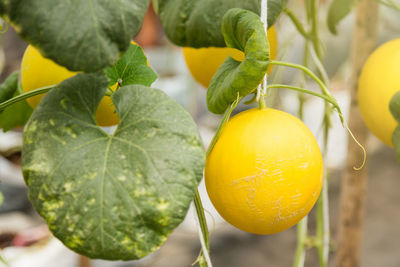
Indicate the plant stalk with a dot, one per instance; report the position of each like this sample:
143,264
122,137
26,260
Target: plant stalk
306,91
300,255
296,23
306,70
197,200
323,235
302,227
323,232
316,79
24,96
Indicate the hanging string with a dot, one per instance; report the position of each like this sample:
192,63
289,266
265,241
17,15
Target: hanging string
262,88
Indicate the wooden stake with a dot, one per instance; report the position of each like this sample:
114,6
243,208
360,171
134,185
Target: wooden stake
84,261
353,187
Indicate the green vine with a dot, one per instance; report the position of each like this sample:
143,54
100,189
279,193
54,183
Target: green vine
329,99
24,96
197,200
35,92
312,36
296,22
326,94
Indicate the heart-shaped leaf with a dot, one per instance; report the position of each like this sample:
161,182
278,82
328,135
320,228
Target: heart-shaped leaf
394,106
81,35
197,23
242,30
115,196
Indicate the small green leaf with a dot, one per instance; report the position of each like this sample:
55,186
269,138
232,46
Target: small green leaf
1,198
15,115
242,30
394,106
338,10
131,68
8,87
81,35
118,196
197,23
396,142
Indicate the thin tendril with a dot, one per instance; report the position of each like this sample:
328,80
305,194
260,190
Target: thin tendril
358,143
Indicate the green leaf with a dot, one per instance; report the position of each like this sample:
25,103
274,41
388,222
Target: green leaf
396,142
131,68
242,30
394,106
338,10
15,115
197,23
81,35
8,87
118,196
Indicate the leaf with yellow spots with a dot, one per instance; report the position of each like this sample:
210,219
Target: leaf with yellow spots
111,196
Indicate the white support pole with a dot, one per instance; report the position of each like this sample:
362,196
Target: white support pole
262,90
